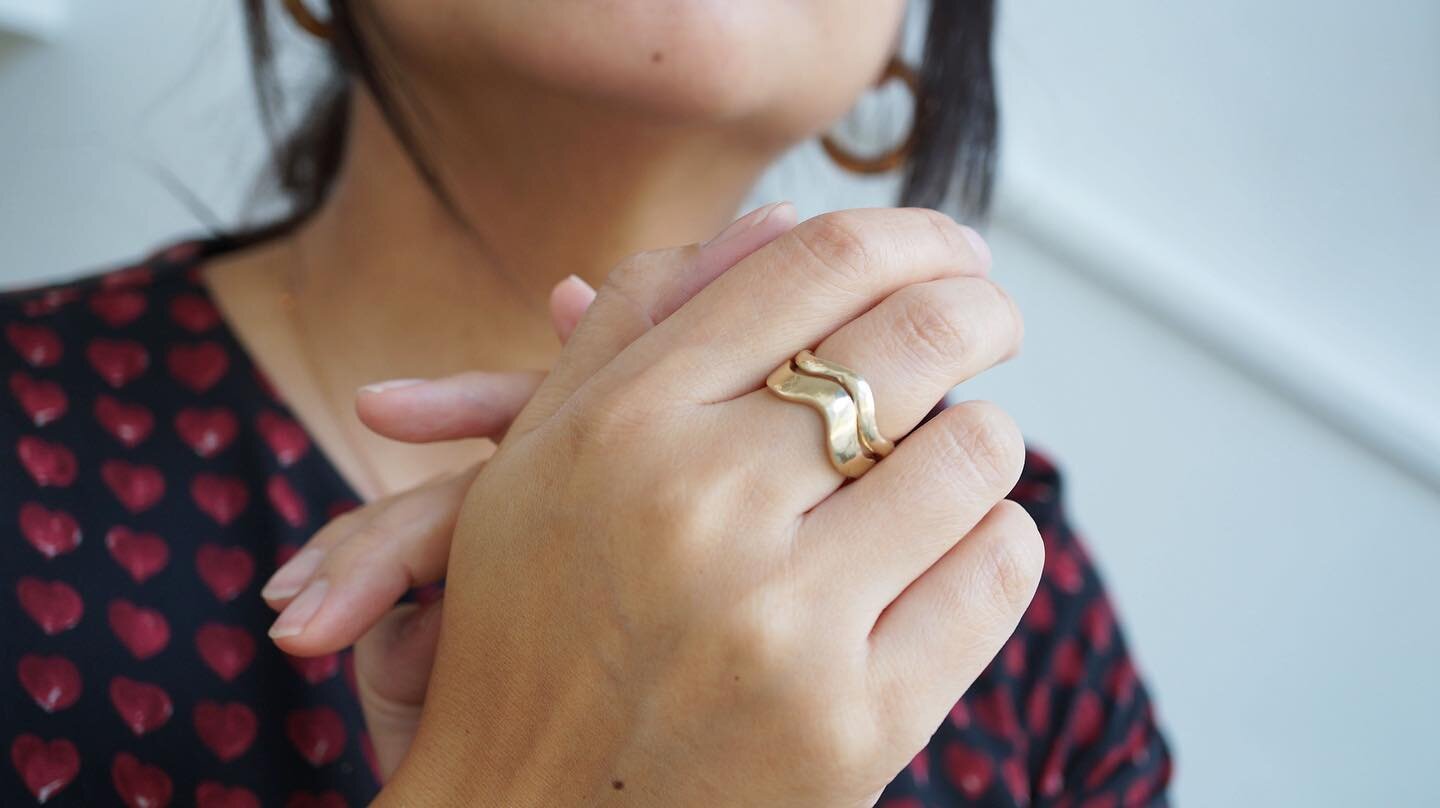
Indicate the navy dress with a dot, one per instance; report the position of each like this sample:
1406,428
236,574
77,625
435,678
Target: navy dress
153,480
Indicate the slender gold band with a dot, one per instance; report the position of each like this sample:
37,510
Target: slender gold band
845,402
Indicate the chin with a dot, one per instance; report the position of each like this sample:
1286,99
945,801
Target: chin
790,66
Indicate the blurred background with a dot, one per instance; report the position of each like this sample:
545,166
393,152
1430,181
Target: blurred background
1222,222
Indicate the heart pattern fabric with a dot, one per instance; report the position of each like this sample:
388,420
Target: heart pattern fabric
155,480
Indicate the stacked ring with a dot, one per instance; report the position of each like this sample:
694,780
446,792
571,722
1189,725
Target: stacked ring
845,402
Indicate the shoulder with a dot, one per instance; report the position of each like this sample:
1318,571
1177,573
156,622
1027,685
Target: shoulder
107,293
103,317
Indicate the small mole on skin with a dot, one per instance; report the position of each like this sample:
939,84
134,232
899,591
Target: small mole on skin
657,57
617,784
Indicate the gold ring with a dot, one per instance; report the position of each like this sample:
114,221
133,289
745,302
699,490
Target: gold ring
845,402
859,390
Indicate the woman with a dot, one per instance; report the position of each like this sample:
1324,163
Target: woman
666,586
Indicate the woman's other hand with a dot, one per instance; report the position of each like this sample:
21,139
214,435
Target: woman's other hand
658,589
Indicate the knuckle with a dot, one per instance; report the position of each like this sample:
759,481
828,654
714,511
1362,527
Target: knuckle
606,420
624,287
988,441
838,241
951,232
931,327
842,740
760,641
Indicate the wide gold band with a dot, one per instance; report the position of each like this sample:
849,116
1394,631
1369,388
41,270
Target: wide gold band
845,402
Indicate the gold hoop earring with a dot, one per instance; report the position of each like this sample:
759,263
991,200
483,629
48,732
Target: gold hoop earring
306,19
894,158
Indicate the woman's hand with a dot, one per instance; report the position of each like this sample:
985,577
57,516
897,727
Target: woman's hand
373,555
659,590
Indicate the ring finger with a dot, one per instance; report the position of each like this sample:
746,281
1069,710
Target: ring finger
912,347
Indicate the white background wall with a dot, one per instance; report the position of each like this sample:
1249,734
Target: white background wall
1221,222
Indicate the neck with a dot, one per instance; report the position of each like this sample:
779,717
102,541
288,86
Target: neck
561,187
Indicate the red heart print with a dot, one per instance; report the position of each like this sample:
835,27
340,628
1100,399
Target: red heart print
140,785
179,253
43,401
206,431
54,605
970,769
49,464
143,631
1040,615
960,715
1086,718
285,437
46,768
919,767
318,734
315,669
117,307
997,713
1012,656
1120,682
193,313
118,361
52,533
228,650
1037,708
198,366
52,681
1016,780
285,501
50,301
1067,663
221,498
226,729
226,570
129,423
1063,568
143,707
38,345
140,554
340,507
210,794
138,275
325,799
137,487
1098,623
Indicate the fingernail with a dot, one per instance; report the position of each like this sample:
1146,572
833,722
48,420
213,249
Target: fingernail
294,574
744,223
572,278
292,621
977,244
393,384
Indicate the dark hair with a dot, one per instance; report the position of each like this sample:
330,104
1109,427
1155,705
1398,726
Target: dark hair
955,121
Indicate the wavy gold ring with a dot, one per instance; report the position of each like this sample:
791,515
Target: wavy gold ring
845,402
859,390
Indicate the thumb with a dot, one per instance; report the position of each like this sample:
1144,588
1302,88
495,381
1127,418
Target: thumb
392,672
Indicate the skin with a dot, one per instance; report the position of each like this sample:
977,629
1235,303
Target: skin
629,126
